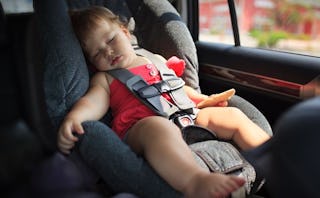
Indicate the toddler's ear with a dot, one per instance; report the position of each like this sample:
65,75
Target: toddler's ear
126,31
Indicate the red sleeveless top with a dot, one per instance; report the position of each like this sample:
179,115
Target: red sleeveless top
126,108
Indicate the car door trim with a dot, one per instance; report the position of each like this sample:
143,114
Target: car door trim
274,85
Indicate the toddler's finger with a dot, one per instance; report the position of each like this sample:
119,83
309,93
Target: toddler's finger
78,129
64,141
222,104
65,148
69,136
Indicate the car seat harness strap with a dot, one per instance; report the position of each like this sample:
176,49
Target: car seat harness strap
182,112
148,94
181,100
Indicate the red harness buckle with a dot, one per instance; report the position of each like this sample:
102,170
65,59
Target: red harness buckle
183,121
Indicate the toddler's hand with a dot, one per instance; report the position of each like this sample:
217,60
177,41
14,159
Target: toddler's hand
220,99
66,138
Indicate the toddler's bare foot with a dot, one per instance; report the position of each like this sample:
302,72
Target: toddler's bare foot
212,185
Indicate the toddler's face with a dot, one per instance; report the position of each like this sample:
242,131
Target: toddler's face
108,46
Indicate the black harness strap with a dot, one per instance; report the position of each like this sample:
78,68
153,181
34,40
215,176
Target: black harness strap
149,95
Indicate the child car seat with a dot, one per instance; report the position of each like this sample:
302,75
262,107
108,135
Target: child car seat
67,78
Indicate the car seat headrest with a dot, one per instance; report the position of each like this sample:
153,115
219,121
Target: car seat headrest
158,31
119,7
163,32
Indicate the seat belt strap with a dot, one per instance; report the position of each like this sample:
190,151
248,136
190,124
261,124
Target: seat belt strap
148,94
180,98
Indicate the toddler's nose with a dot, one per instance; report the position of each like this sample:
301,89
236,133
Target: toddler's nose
108,51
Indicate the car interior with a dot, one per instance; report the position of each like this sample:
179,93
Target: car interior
35,98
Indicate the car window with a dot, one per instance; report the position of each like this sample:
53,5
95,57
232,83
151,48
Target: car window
285,25
17,6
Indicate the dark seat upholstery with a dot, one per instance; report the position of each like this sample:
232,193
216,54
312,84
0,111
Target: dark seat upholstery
20,147
289,161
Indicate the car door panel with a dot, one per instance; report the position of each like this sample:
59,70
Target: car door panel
272,80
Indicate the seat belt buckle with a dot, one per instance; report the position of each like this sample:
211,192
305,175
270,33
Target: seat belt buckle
183,120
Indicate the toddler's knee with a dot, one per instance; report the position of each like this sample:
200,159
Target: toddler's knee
159,126
149,131
235,112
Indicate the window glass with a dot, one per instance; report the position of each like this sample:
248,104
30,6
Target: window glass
214,21
17,6
285,25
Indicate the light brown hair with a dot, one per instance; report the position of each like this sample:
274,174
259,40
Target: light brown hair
86,19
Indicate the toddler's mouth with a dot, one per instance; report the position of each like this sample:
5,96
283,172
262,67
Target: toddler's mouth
115,60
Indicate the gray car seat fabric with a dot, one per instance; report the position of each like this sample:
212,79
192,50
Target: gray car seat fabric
252,112
66,76
119,7
163,32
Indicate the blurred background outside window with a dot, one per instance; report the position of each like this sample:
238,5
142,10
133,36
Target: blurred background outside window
285,25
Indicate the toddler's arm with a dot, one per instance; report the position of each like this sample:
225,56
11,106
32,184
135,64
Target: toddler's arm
92,106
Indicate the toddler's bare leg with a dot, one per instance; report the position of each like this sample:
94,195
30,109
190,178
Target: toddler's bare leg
161,143
230,123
